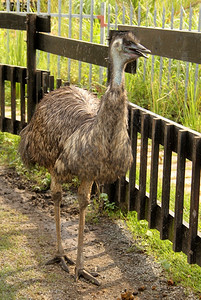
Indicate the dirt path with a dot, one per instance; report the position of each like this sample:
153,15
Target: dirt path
106,251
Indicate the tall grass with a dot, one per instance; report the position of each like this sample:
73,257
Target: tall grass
161,88
167,99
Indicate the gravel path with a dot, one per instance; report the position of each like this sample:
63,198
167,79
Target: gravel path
107,247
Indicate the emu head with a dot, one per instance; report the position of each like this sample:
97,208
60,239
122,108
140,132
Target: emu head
125,47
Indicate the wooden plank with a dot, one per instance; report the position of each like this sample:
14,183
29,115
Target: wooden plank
79,50
13,99
39,92
134,120
177,44
185,231
120,194
51,82
45,82
58,83
194,207
22,96
7,74
190,133
8,125
31,64
165,201
43,23
179,198
143,165
2,97
12,21
156,133
18,22
74,49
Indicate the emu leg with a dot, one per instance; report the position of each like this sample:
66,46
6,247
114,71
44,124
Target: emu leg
84,192
60,255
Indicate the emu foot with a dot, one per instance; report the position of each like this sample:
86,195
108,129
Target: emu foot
87,276
62,260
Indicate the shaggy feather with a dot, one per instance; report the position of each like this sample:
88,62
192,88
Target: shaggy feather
74,133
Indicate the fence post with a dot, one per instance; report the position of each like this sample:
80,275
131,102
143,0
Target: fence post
194,208
31,64
134,121
179,197
2,97
141,203
156,135
165,201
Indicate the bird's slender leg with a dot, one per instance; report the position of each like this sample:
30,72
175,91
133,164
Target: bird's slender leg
60,254
84,193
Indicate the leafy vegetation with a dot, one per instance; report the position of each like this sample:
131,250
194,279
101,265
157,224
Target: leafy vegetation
160,84
148,240
37,176
23,275
163,95
175,264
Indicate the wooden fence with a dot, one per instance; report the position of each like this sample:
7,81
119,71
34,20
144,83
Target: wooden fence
173,137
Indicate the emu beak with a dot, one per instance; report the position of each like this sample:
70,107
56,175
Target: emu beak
139,50
142,50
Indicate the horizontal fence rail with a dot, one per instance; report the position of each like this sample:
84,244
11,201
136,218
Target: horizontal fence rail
74,49
172,137
18,22
177,44
79,50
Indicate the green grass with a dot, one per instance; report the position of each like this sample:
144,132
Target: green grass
148,240
168,99
165,98
175,264
38,177
22,273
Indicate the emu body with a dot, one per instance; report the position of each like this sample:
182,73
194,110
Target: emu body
74,133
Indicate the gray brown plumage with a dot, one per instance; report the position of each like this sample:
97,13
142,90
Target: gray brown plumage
74,133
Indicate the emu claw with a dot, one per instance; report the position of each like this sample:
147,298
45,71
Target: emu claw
88,276
68,260
62,260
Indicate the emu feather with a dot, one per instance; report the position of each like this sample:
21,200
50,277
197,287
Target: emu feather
72,132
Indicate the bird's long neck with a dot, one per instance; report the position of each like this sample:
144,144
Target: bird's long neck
116,72
112,115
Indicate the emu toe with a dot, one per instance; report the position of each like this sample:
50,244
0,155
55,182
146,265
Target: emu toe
62,260
90,277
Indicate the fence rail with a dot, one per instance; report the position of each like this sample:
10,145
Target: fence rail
18,22
74,49
173,137
176,44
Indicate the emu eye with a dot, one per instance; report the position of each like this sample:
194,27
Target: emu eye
128,43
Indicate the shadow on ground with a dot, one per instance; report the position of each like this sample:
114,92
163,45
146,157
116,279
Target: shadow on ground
109,250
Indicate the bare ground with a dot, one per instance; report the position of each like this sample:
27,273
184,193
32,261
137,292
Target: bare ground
107,247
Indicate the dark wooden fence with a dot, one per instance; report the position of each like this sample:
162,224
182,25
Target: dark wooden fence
187,145
173,137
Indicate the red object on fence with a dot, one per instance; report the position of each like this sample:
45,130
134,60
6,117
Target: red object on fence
102,21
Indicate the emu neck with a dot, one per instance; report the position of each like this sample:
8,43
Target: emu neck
117,72
112,115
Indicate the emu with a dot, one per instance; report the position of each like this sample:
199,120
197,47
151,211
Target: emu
73,133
